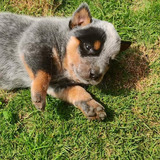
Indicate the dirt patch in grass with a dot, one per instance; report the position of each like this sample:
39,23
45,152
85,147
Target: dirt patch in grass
35,7
128,70
152,54
136,65
132,69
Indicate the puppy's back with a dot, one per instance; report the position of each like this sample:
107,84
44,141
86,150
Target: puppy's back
12,25
12,72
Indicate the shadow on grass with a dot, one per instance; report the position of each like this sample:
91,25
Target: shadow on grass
60,109
110,114
65,110
126,72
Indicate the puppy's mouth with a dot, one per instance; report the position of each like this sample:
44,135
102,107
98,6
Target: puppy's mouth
97,81
87,80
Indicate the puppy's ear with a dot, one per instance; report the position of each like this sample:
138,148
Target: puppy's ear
124,45
81,17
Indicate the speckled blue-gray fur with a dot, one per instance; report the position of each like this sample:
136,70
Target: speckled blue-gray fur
57,56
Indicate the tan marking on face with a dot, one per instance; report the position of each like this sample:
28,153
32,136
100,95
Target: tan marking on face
29,71
72,57
56,59
81,18
97,45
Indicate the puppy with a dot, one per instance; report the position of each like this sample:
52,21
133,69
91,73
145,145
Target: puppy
57,56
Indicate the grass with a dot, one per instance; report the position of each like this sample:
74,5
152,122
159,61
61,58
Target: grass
131,94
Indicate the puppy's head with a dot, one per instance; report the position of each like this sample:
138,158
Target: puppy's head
92,44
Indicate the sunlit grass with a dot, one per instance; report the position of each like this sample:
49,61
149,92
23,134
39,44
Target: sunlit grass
131,94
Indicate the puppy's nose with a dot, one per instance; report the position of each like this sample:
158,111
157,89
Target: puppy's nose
94,74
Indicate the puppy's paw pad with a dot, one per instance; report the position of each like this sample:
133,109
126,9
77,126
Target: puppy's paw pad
39,101
99,110
102,115
40,106
92,110
36,98
91,114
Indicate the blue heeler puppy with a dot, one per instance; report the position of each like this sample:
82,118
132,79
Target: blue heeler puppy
57,56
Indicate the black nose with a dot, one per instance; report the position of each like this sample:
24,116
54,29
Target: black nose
94,74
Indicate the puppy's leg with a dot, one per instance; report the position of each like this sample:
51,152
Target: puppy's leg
39,86
39,89
80,98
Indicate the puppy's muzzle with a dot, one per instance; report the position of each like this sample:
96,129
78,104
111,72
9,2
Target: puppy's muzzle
95,74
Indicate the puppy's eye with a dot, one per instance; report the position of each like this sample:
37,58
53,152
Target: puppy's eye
88,46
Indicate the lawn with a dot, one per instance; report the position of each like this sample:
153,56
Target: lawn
130,93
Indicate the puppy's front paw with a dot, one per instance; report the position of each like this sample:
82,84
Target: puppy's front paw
39,101
92,110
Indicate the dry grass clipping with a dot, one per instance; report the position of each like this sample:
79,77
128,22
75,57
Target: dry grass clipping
35,7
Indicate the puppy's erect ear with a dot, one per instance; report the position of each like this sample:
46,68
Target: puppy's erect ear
124,45
81,17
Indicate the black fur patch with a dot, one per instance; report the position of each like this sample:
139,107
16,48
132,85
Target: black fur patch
87,39
42,60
